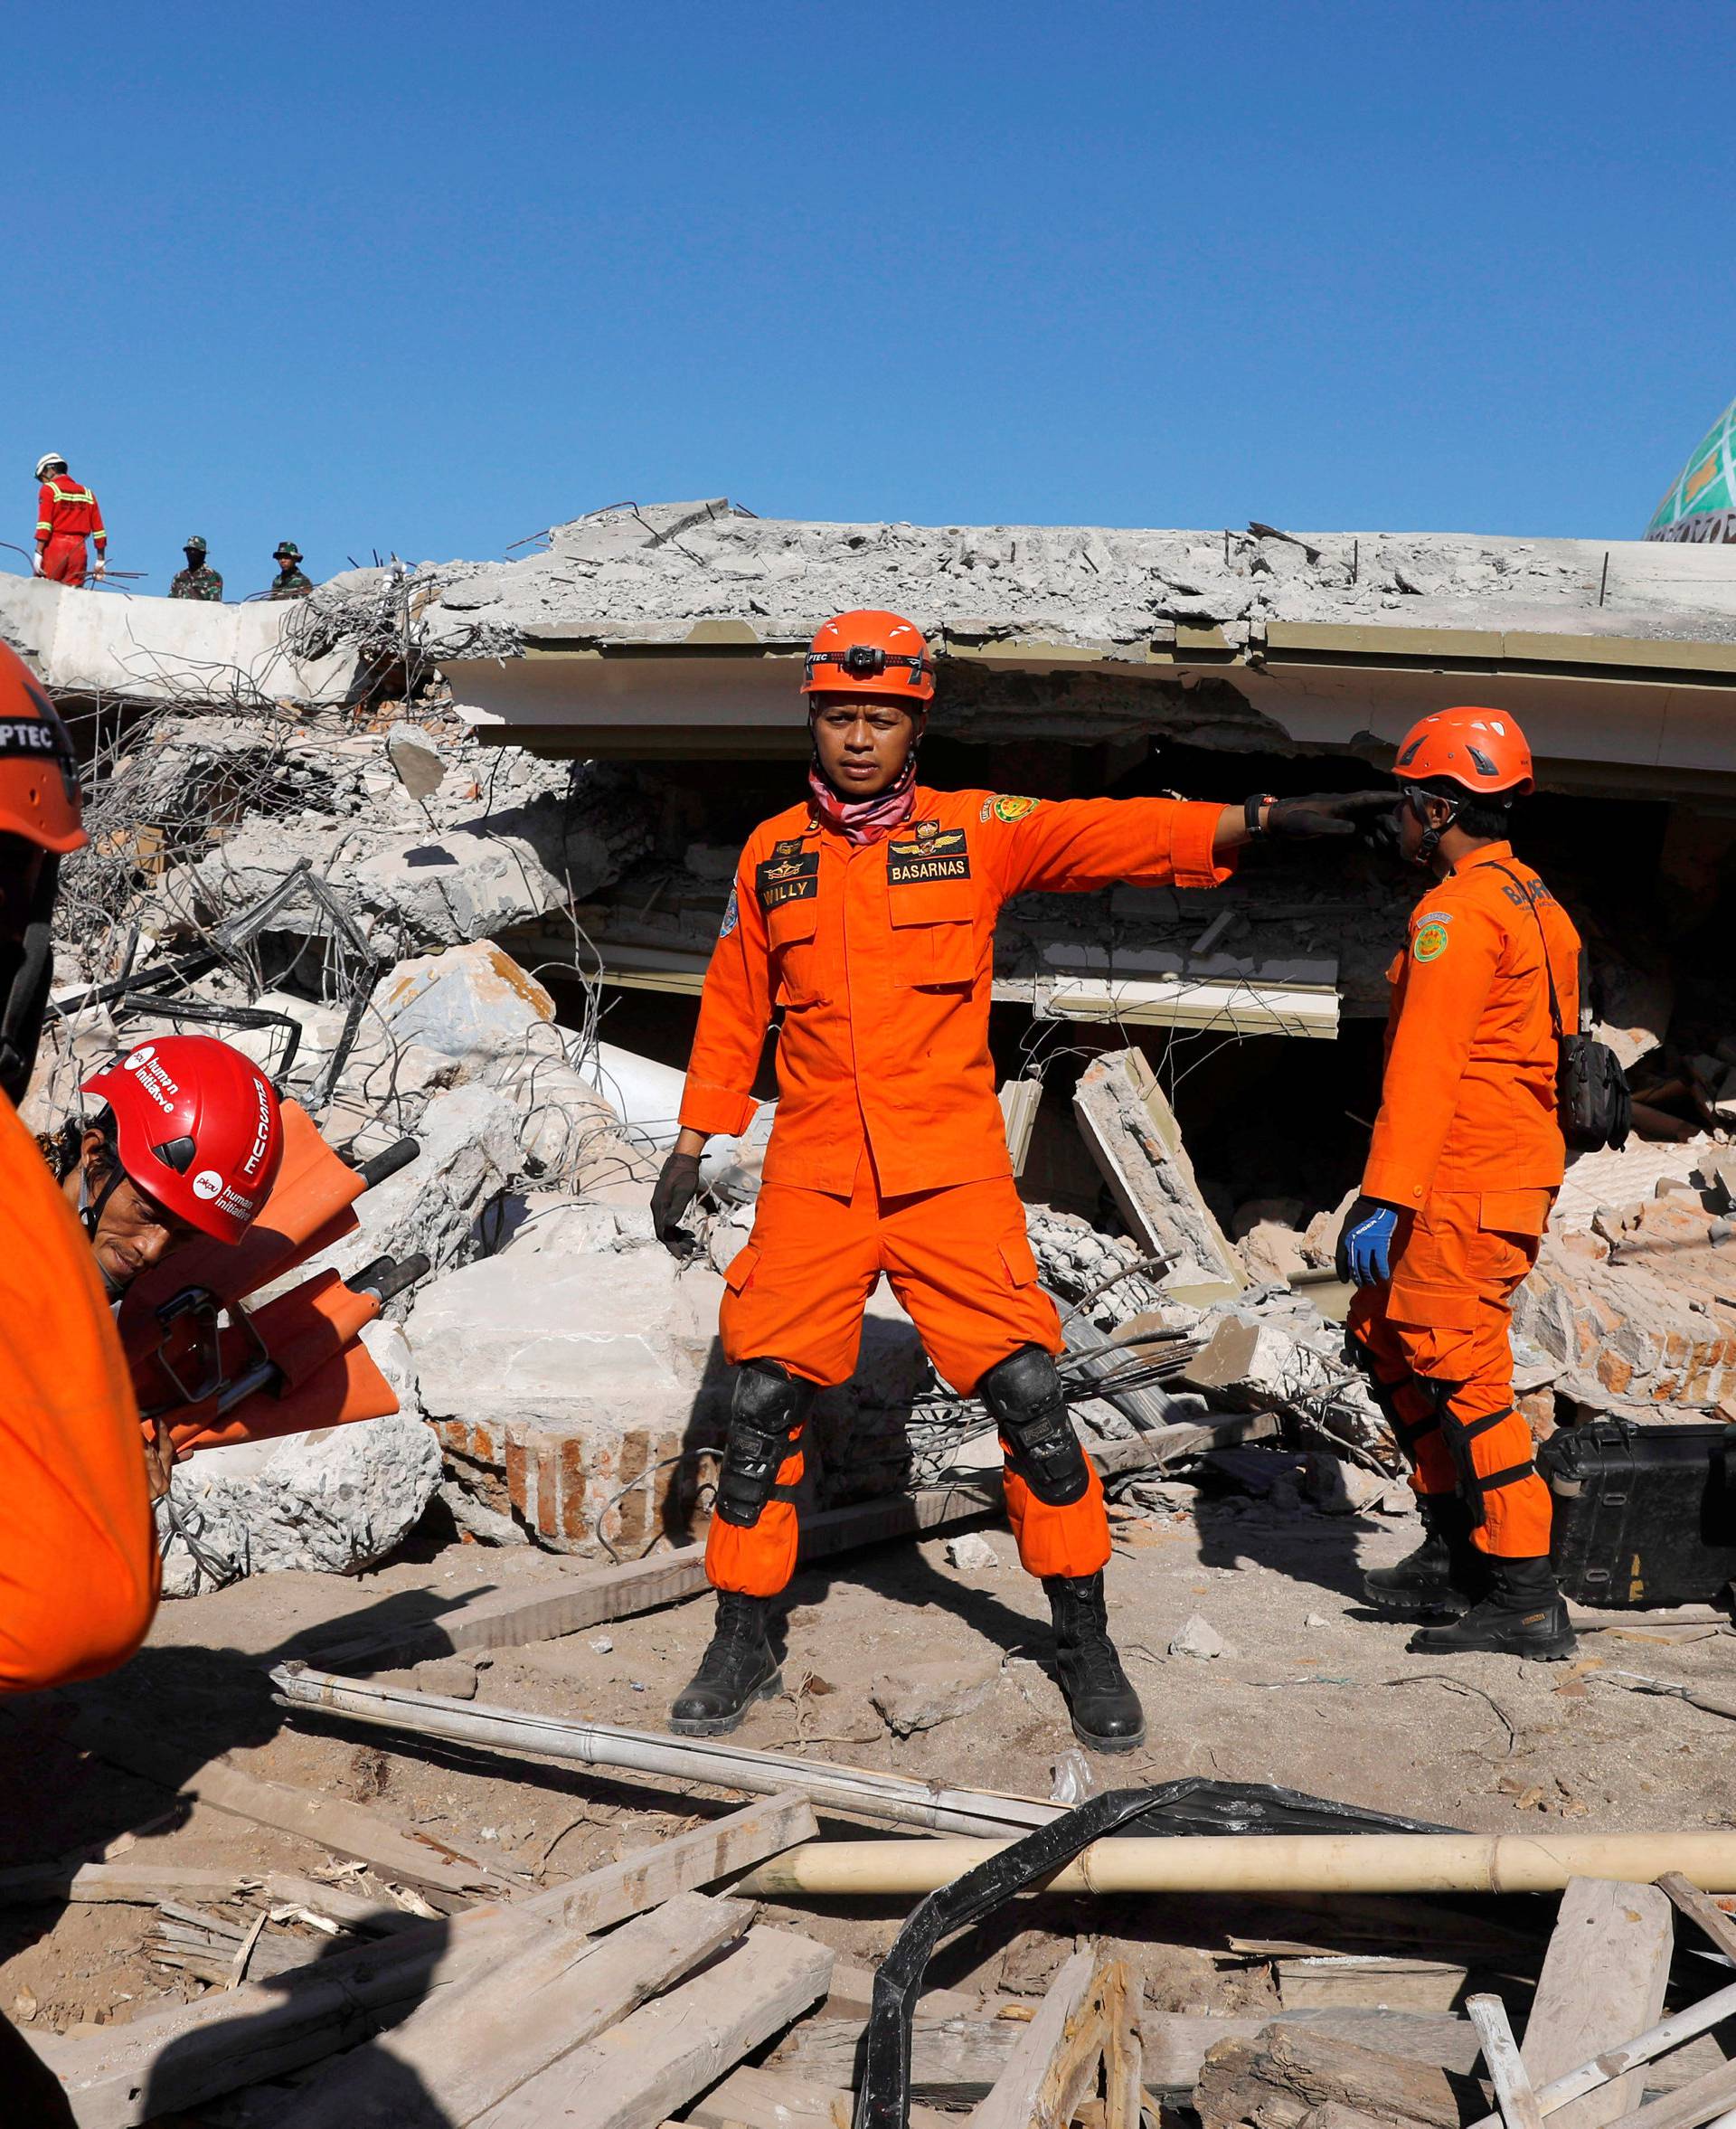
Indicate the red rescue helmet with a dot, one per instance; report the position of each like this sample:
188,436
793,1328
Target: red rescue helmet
39,772
1479,749
197,1127
869,651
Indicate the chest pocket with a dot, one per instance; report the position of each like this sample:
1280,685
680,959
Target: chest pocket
934,935
790,931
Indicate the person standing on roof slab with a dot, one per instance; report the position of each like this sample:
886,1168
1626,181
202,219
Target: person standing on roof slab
288,582
866,915
1466,1160
198,579
67,515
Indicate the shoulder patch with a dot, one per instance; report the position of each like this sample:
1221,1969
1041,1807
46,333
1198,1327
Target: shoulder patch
1431,940
732,914
1005,807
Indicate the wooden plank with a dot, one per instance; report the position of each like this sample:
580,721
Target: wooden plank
654,2062
1289,2069
177,2057
1123,2054
1515,2093
958,2049
1702,1910
1398,1984
1708,2098
1602,1979
1055,2057
768,2099
335,1824
708,1854
476,2043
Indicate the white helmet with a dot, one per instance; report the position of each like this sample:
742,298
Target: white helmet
47,459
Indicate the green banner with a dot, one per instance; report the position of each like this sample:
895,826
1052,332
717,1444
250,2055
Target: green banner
1700,502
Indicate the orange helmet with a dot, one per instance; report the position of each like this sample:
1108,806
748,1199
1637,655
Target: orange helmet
1479,749
39,773
870,652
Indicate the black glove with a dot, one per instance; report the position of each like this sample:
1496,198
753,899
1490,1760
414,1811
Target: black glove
1329,813
676,1188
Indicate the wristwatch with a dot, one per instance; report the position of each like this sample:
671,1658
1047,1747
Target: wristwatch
1251,808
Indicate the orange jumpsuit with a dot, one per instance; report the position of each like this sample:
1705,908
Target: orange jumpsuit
66,516
889,1154
1466,1144
77,1557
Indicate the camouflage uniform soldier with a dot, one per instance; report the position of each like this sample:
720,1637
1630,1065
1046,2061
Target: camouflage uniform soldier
288,582
197,581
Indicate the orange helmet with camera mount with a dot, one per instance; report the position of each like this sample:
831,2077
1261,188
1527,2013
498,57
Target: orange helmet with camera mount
869,651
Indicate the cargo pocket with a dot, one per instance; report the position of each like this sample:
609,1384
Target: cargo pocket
741,1267
1431,1307
795,957
934,935
1021,1264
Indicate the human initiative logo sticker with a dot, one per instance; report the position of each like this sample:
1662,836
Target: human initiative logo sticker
207,1183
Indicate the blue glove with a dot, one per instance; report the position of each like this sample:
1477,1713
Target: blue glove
1365,1246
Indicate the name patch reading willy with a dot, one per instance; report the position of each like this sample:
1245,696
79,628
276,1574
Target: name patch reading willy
792,877
935,854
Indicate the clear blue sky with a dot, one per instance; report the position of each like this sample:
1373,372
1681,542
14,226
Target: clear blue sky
429,278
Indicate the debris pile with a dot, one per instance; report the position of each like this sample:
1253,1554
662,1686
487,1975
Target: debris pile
649,573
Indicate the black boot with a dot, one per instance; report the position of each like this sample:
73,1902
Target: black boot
737,1669
1524,1614
1444,1577
1104,1708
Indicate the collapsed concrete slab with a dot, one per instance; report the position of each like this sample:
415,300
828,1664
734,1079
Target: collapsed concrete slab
124,646
1135,1140
559,1372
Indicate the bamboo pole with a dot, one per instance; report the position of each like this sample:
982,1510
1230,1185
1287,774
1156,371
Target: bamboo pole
891,1798
1271,1863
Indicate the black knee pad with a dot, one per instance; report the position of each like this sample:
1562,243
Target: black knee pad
769,1405
1024,1393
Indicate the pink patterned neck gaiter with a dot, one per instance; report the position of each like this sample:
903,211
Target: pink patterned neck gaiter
866,820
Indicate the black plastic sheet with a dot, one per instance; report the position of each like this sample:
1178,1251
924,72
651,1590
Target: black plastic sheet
1191,1806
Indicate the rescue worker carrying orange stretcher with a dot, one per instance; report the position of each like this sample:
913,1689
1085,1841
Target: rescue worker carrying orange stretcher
1466,1157
866,913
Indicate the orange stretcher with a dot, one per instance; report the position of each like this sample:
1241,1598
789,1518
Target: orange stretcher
215,1373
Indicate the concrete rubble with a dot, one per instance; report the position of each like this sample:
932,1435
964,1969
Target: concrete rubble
649,573
420,914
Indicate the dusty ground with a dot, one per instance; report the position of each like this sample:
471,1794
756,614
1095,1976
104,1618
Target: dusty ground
1312,1693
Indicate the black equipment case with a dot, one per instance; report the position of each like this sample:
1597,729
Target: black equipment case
1645,1516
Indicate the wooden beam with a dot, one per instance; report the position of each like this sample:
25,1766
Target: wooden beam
1054,2061
1603,1975
176,2059
473,2044
769,2100
1123,2055
1702,1910
1708,2098
654,2062
1515,2093
341,1827
508,1620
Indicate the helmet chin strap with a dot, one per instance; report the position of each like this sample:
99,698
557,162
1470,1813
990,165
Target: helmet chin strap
1414,794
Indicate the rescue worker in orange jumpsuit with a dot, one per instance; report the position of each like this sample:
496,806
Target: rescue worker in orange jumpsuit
78,1553
866,915
1466,1157
67,515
